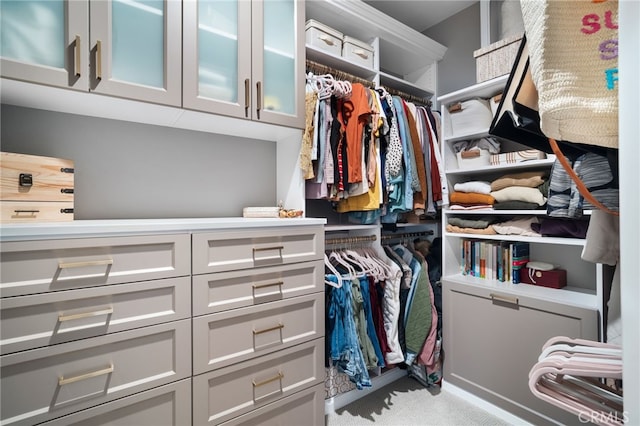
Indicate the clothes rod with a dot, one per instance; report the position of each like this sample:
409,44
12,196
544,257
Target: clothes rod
406,235
349,240
320,69
408,97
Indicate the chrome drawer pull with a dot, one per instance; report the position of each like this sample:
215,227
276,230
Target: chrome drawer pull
279,376
278,283
507,299
26,211
68,265
62,381
266,330
268,248
63,318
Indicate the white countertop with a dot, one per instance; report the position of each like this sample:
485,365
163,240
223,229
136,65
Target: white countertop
103,228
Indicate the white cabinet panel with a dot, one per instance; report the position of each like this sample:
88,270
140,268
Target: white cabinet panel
228,392
168,405
493,340
232,336
57,317
228,290
50,382
39,266
227,251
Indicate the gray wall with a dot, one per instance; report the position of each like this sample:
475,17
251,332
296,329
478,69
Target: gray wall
129,170
461,34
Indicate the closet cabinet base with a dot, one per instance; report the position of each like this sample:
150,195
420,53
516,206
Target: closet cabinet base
490,346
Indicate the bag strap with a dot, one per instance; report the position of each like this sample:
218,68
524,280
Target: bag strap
582,188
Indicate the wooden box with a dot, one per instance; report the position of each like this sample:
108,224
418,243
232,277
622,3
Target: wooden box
35,188
496,59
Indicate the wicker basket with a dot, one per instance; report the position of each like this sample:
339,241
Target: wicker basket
496,59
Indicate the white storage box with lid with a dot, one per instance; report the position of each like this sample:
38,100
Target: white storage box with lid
357,51
323,37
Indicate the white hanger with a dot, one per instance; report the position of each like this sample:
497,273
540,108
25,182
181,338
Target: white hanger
328,264
351,272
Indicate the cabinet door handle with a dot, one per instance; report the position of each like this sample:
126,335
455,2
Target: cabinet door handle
98,60
258,98
277,283
501,298
279,376
76,60
26,211
106,311
266,330
62,381
68,265
247,96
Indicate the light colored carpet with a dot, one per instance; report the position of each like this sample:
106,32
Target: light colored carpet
406,402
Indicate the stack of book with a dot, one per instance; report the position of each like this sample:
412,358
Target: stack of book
494,260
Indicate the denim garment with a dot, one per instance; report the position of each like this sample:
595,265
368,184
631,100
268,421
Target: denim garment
360,320
371,327
344,347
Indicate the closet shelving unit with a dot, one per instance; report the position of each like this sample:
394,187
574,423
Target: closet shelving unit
404,61
585,290
503,309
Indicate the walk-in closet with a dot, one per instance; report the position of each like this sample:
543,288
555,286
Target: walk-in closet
319,212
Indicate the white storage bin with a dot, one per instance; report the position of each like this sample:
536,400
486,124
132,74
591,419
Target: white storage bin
474,159
470,117
357,51
323,37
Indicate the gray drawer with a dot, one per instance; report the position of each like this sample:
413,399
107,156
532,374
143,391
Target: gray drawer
50,265
45,319
232,336
231,391
232,250
42,384
228,290
168,405
303,408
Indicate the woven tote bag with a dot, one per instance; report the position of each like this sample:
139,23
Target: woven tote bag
573,50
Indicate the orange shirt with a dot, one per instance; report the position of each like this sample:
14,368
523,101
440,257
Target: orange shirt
354,120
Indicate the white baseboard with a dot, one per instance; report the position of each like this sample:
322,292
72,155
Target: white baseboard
485,405
339,401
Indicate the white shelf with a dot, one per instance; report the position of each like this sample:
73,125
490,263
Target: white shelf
500,237
573,296
347,228
403,85
338,62
486,89
515,167
450,212
471,136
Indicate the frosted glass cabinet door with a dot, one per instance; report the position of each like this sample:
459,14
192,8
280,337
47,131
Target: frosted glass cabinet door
278,61
135,49
245,59
45,41
217,56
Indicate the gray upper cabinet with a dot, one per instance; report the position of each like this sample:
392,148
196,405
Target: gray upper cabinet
245,59
129,49
45,42
135,49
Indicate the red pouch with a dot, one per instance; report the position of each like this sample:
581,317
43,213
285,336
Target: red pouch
555,278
